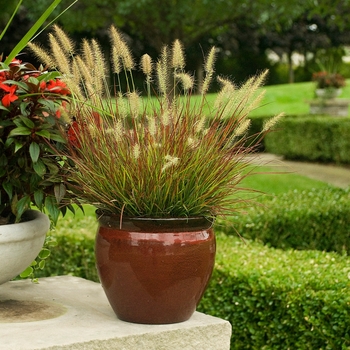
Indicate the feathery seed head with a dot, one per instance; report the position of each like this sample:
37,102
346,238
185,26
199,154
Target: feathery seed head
118,130
136,151
152,129
122,109
178,58
67,44
210,61
165,117
42,55
187,80
269,124
134,103
209,69
59,56
146,64
127,58
192,142
162,78
242,127
88,54
200,125
120,49
170,161
116,61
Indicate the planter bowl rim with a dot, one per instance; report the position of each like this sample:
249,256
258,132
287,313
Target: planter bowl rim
26,228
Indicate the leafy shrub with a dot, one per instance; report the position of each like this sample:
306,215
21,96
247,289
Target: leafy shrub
316,219
73,255
322,139
278,299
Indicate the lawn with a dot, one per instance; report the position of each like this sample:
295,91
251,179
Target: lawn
274,181
288,98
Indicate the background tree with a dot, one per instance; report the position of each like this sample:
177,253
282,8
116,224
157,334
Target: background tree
243,30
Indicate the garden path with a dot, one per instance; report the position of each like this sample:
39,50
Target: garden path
333,174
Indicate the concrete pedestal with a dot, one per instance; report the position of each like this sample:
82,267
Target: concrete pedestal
337,107
72,313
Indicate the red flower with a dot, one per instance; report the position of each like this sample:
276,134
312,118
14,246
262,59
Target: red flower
72,133
97,119
3,76
59,110
10,97
57,86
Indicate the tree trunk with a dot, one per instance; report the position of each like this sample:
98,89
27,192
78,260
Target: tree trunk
290,68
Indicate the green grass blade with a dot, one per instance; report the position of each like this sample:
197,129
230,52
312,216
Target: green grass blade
54,20
10,20
31,32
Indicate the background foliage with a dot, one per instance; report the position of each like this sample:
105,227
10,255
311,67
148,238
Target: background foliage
243,30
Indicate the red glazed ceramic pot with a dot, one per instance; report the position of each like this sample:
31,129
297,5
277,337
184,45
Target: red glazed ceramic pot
154,271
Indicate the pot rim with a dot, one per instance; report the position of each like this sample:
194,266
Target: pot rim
109,219
27,228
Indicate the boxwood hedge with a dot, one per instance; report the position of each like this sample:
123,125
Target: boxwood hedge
315,219
278,299
312,138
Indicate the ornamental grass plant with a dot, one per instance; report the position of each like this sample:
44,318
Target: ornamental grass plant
157,153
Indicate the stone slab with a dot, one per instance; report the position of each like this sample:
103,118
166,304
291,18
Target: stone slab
67,312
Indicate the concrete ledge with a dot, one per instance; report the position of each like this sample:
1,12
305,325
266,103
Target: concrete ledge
72,313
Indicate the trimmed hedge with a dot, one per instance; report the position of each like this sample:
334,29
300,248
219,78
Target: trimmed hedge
316,219
278,299
312,138
274,299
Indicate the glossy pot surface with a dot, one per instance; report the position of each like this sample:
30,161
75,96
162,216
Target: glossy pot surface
154,271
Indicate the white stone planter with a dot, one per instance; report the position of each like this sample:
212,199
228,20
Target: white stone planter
328,93
21,243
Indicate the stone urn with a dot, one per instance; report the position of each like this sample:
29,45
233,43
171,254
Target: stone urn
21,243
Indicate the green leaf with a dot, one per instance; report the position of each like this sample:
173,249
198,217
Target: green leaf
52,208
41,264
18,145
49,104
44,253
7,186
3,108
43,133
20,131
34,151
60,191
39,168
27,272
49,76
58,138
3,160
27,122
24,111
33,80
38,198
21,206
